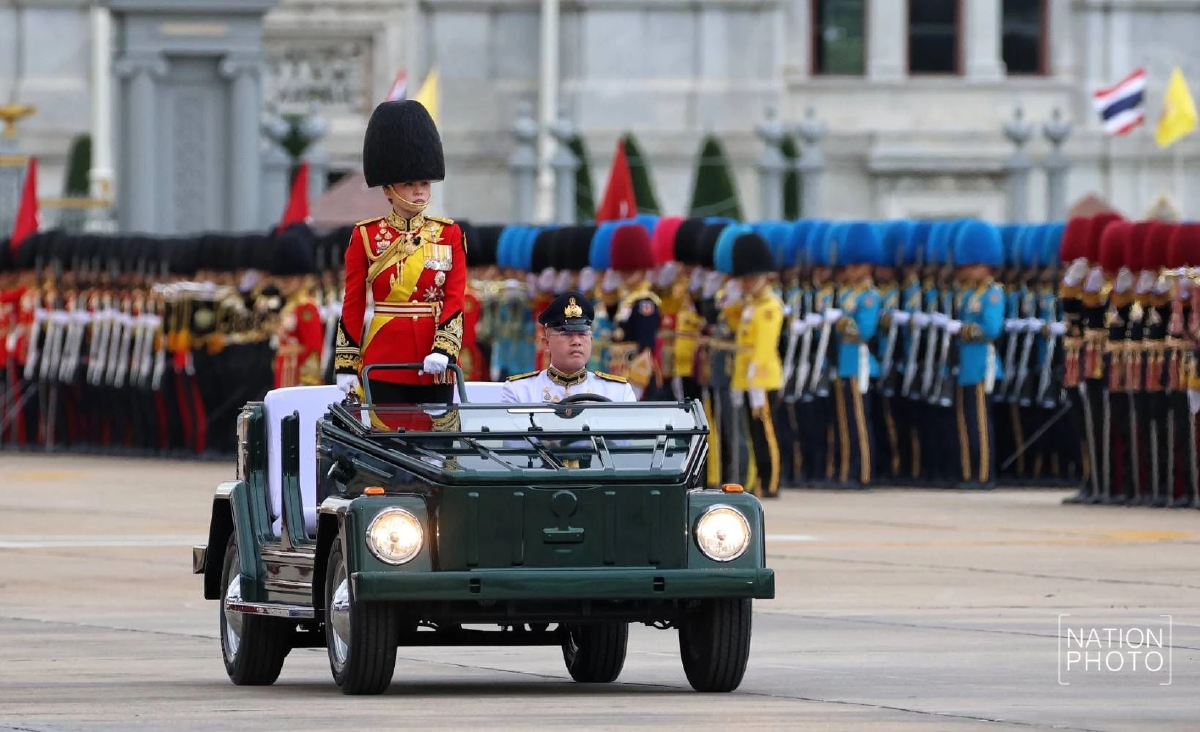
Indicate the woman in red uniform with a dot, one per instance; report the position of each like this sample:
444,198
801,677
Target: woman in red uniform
414,266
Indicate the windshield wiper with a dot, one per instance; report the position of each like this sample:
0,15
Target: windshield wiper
487,452
544,453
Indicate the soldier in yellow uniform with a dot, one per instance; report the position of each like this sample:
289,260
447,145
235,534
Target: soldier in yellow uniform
758,368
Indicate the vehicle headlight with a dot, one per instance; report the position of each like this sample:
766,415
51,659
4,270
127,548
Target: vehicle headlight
395,536
723,533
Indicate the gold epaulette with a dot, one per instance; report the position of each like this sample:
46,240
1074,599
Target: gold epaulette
527,375
611,377
440,219
370,221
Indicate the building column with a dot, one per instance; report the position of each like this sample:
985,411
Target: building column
245,181
140,195
887,40
1060,38
100,177
984,22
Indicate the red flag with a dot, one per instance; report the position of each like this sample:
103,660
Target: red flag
27,214
619,201
297,208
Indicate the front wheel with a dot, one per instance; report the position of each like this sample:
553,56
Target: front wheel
254,647
714,643
361,637
595,653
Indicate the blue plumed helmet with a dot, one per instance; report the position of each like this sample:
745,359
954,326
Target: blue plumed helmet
898,243
1051,243
504,247
920,241
723,254
817,244
937,246
648,221
525,242
601,246
858,243
1009,235
1030,243
797,242
978,242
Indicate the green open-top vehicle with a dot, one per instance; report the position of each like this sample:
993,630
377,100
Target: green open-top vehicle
362,528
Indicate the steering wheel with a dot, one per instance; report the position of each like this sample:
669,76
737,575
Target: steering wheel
579,398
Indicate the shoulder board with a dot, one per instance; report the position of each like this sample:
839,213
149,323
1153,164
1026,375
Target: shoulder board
370,221
440,220
611,377
527,375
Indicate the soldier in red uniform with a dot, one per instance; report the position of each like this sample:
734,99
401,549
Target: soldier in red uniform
301,333
414,265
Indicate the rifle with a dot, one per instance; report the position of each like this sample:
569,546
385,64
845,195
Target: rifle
1045,381
910,363
1021,391
887,371
947,370
792,367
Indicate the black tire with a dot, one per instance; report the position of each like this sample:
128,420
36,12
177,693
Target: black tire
714,644
595,652
253,657
370,652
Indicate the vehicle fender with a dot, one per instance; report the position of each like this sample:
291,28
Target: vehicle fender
749,506
220,526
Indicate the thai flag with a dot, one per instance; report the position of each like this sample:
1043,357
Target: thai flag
1122,106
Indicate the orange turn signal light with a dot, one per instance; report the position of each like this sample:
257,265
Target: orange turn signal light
373,491
733,488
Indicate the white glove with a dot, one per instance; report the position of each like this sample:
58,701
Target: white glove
587,279
920,320
1058,328
737,398
1094,281
953,326
1162,286
1124,280
1013,325
1075,273
1194,401
939,319
901,317
798,327
697,281
813,320
612,280
832,315
712,283
758,397
435,363
733,293
1034,324
1145,282
347,383
677,387
667,274
545,281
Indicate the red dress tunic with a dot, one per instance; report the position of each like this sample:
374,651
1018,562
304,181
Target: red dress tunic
416,272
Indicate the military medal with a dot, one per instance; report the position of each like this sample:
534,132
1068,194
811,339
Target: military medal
439,279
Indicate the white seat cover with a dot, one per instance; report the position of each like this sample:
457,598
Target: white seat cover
311,402
482,392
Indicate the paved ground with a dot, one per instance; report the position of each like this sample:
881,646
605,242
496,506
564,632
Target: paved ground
896,610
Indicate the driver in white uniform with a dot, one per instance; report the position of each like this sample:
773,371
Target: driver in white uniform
568,339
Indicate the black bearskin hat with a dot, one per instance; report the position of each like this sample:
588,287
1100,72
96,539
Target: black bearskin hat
402,144
752,255
294,252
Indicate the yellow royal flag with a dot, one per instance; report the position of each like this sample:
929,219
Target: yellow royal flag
428,95
1179,112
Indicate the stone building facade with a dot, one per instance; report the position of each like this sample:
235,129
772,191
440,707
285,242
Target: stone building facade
914,93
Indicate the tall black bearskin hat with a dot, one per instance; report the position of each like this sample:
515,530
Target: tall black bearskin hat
687,238
402,144
6,256
752,255
481,250
706,244
184,255
579,248
25,258
246,253
543,249
294,252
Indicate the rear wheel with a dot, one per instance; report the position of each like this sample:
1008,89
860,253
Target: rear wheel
254,647
595,652
714,643
361,637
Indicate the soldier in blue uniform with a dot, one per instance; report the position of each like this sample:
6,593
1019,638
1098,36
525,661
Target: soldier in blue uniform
815,406
895,236
979,307
855,321
908,411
